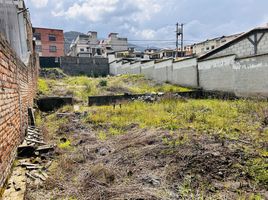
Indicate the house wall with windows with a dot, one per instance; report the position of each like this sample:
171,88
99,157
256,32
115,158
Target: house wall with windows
49,42
211,44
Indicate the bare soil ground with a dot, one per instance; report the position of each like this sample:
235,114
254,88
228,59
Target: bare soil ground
147,164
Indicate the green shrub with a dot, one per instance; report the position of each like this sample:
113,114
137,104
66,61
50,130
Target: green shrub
43,86
103,83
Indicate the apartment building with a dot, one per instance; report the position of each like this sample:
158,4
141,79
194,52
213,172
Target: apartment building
86,45
49,42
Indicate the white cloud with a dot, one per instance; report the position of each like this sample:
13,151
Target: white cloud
103,10
39,3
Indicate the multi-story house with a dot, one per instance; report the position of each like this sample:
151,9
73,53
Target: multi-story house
49,42
86,45
114,44
209,45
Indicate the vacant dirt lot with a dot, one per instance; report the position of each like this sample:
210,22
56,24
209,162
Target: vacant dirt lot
169,149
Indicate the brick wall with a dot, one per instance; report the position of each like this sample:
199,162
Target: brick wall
17,90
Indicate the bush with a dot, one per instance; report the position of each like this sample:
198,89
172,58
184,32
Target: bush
103,83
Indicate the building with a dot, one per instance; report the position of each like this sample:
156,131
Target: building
49,42
86,45
151,54
208,45
170,53
239,66
114,44
249,44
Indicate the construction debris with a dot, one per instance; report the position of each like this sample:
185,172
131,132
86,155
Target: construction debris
33,155
33,144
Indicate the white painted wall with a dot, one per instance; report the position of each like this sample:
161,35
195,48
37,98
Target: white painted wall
135,68
161,69
217,74
125,68
251,77
245,77
147,69
185,73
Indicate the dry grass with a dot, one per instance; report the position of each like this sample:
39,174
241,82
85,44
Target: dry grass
82,87
171,149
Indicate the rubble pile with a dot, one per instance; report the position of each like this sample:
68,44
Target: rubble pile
35,155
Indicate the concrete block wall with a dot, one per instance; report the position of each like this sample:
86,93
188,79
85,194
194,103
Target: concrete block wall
76,66
114,68
147,69
245,47
244,77
241,48
251,77
125,68
17,90
161,70
217,74
185,73
263,45
135,68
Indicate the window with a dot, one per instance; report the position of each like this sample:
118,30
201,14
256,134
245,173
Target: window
38,48
51,37
52,49
213,47
82,49
207,48
37,36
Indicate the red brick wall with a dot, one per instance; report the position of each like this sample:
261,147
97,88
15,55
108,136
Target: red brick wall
59,43
17,90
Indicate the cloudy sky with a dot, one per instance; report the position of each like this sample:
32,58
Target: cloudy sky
151,19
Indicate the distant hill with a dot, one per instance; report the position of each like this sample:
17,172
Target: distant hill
137,47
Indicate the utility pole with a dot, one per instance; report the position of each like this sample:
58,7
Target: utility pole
177,39
179,34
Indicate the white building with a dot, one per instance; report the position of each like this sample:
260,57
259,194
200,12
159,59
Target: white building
86,46
114,44
210,44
